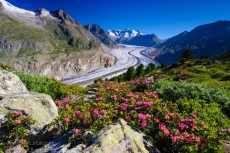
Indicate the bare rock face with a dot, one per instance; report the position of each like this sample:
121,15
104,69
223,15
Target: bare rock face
63,16
62,66
10,83
119,137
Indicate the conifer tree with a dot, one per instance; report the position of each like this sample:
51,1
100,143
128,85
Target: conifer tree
140,70
187,54
130,73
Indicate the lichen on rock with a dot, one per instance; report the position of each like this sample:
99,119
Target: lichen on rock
119,137
10,83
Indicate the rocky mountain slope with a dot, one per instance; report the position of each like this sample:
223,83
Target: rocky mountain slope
99,33
209,40
48,42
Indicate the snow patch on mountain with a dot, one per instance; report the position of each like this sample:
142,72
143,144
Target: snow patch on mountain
11,8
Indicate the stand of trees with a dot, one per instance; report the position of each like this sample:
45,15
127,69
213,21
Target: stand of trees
133,73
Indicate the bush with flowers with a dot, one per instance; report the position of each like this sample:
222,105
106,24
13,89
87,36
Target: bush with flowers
186,125
16,127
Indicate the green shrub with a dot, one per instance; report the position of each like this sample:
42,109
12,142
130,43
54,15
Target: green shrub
218,74
174,90
43,84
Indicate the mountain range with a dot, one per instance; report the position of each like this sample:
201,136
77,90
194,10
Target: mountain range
51,43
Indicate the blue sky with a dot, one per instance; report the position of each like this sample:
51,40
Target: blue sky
165,18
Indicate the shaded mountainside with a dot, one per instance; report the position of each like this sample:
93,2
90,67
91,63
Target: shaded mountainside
209,40
42,35
99,33
145,40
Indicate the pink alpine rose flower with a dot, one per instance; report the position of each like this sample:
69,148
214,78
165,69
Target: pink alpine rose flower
58,102
17,122
81,116
104,112
127,118
194,115
203,124
66,106
115,111
77,112
18,113
143,124
66,120
95,111
77,131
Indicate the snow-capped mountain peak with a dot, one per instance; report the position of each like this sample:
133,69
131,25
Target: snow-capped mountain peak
127,33
11,8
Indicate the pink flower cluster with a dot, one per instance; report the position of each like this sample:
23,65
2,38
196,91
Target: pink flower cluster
124,99
16,113
130,95
77,131
17,121
98,99
153,94
123,106
115,97
163,129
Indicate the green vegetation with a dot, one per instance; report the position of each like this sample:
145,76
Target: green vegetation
175,90
43,84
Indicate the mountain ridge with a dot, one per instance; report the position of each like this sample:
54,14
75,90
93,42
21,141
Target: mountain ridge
209,39
101,34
